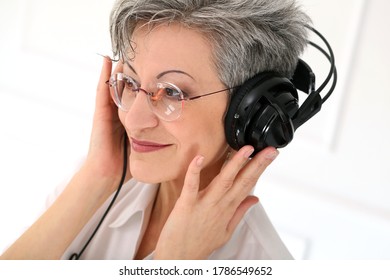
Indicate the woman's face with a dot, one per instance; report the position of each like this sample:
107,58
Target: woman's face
161,151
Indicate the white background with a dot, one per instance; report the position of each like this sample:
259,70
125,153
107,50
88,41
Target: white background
328,193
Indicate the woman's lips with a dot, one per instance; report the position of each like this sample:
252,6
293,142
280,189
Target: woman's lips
142,146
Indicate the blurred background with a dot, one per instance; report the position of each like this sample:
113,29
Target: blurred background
328,193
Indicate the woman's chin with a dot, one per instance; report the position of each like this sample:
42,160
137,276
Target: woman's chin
146,177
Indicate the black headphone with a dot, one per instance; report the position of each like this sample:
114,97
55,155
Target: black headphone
264,111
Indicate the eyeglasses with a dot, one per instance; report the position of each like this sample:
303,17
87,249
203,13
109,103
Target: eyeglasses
166,102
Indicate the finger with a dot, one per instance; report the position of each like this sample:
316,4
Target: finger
224,181
250,174
247,203
190,189
103,95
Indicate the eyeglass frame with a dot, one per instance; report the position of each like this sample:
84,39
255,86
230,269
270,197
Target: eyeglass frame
152,94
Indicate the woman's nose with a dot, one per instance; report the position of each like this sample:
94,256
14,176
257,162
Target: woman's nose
140,116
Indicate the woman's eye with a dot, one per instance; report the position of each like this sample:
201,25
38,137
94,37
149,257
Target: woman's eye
170,92
130,84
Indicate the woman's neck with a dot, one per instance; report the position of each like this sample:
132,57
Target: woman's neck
167,195
170,191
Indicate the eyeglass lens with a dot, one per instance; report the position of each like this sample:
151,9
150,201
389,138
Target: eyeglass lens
166,101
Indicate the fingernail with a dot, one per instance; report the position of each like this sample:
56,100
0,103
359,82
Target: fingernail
248,153
272,155
199,161
105,56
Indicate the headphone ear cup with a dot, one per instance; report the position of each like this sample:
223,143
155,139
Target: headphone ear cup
260,113
269,129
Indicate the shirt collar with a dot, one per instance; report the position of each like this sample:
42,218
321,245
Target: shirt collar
136,197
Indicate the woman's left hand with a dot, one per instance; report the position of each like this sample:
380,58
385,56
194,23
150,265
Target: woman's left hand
202,221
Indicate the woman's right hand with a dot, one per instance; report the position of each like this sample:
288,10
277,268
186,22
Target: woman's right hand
204,220
105,155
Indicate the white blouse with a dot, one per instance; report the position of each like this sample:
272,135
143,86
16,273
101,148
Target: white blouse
121,232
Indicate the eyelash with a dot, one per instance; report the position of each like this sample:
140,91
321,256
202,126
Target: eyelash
183,89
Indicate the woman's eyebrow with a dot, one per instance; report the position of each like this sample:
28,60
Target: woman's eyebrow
131,67
173,71
162,73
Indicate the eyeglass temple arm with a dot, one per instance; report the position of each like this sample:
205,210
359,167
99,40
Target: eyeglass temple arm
207,94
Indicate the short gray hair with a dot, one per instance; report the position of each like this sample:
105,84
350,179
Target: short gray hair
247,36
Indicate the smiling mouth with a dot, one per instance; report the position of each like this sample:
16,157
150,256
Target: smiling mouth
140,146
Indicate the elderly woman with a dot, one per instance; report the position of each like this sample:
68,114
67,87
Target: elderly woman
187,193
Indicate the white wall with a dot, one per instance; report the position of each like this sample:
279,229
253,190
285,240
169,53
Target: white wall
48,74
328,192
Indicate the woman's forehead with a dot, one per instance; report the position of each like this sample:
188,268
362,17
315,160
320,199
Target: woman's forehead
172,46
